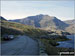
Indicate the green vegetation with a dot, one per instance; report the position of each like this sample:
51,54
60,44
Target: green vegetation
14,28
60,38
53,41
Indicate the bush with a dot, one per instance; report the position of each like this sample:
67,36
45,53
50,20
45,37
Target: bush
53,43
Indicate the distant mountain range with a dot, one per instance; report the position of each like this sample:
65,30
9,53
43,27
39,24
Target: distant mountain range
70,21
71,27
42,21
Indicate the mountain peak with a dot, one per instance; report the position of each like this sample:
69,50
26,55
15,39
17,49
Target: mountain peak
40,15
43,21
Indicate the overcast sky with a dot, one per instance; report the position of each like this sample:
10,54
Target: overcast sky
64,10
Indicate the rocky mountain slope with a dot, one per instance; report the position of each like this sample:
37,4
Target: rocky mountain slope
43,21
70,21
71,27
2,18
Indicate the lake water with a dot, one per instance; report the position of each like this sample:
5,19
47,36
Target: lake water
68,44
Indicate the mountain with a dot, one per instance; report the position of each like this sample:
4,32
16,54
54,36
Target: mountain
71,29
42,21
2,18
70,21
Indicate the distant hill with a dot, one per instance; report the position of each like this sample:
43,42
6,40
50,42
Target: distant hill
70,21
43,21
2,18
71,27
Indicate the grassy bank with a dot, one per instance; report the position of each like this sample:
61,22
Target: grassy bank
13,28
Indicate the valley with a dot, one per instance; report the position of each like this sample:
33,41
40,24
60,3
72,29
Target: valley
47,29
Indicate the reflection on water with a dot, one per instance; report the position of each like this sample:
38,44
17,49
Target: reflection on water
67,44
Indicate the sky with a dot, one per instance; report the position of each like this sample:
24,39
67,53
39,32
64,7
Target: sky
63,10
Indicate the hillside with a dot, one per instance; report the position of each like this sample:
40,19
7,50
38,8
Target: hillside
70,21
19,29
42,21
71,27
2,18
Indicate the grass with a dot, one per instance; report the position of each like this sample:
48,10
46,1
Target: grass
13,28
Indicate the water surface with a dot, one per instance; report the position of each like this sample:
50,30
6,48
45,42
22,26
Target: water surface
69,43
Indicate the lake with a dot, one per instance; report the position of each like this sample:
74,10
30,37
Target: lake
67,44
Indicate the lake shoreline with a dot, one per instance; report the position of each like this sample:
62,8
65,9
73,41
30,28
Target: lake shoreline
67,43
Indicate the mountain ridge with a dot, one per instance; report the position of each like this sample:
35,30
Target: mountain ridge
70,21
2,18
42,21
